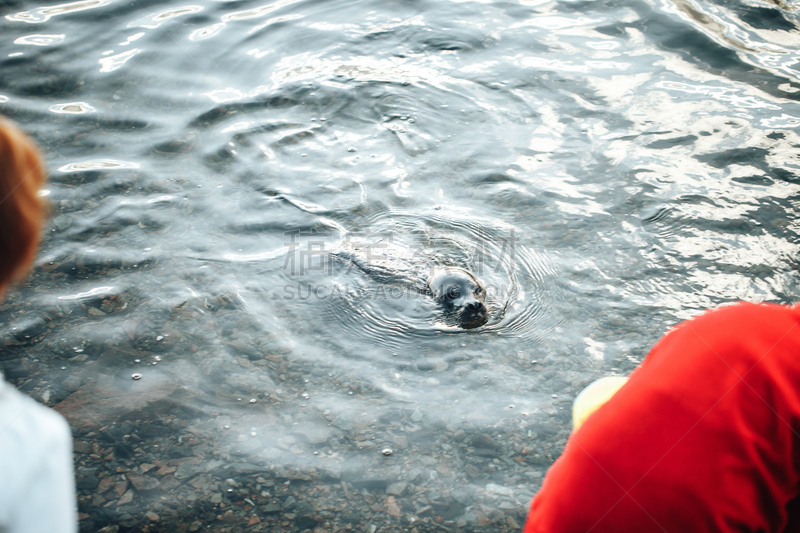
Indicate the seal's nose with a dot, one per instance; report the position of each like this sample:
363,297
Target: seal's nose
475,306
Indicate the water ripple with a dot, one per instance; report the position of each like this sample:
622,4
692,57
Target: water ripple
43,14
72,108
98,164
40,40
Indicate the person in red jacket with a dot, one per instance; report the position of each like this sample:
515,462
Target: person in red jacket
703,437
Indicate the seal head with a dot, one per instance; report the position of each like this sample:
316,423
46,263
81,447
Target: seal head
461,294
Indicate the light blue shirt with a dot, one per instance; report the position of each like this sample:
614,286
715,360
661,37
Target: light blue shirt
37,484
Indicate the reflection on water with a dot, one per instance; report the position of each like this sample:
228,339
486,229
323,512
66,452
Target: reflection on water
99,164
72,107
230,304
43,14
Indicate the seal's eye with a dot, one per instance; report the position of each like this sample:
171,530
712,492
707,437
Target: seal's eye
478,290
452,293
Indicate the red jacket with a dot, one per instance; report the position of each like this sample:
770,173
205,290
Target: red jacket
704,437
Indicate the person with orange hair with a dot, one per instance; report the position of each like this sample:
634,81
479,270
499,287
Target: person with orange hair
21,209
37,487
703,437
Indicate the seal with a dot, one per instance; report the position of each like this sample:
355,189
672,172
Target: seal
461,294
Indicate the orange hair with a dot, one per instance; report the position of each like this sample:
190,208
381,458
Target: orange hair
21,209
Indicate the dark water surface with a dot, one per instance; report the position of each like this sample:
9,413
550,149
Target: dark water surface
247,197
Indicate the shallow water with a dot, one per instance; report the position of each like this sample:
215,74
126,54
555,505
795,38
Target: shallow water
607,168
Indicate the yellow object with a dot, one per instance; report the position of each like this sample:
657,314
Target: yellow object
593,396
